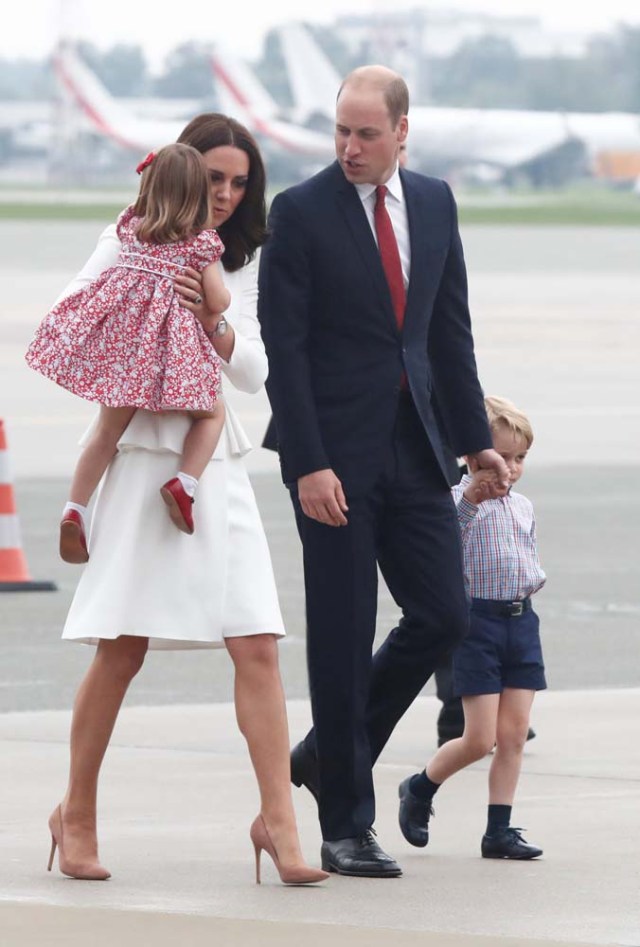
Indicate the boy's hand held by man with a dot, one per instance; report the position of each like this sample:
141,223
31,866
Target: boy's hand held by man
490,459
483,486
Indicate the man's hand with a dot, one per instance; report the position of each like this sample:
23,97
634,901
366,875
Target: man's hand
491,460
322,498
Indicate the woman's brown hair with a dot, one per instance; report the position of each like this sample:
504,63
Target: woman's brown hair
174,200
246,229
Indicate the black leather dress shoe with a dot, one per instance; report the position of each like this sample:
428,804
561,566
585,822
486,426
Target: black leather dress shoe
360,856
508,844
414,815
304,769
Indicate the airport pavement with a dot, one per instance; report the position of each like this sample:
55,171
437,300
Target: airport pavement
555,317
178,796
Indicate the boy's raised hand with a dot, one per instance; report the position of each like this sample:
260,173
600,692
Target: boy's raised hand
490,476
483,486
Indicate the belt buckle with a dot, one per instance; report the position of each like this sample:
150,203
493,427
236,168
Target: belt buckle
517,608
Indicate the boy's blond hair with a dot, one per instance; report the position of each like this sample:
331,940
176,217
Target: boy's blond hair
503,413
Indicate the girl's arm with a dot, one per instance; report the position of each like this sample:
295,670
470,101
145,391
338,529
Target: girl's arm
244,360
216,294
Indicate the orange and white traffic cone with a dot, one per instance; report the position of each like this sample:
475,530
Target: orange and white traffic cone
14,572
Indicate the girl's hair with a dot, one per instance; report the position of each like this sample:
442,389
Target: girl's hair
174,199
246,229
503,413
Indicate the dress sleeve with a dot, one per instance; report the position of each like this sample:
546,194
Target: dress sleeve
104,256
207,249
247,368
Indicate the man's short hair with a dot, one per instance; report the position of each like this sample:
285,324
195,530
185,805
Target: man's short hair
394,90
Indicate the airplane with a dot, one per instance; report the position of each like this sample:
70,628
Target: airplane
111,118
505,139
102,112
241,95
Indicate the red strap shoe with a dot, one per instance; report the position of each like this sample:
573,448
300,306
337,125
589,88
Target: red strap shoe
73,542
180,504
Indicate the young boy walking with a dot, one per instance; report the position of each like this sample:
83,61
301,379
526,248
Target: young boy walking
498,667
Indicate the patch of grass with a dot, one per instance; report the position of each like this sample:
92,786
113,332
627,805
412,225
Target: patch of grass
563,215
578,206
573,207
36,211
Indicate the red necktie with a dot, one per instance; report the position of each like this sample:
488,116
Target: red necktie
389,254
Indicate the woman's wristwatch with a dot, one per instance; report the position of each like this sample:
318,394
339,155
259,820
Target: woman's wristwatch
219,330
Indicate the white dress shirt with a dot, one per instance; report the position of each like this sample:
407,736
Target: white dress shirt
397,210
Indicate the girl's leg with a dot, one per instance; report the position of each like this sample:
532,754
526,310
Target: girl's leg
262,718
95,711
199,445
98,452
478,738
201,441
511,736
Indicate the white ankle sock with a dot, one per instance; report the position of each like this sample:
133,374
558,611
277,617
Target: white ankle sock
82,510
189,483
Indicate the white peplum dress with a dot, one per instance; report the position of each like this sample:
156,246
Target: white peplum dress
146,578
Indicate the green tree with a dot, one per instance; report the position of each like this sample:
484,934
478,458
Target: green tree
22,79
617,55
484,72
188,73
122,68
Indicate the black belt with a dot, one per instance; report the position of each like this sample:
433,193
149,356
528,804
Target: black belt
505,609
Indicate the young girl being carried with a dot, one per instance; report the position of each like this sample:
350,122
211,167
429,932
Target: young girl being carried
125,342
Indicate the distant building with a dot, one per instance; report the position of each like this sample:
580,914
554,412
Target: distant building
439,33
408,39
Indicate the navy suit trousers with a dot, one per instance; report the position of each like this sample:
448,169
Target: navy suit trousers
406,524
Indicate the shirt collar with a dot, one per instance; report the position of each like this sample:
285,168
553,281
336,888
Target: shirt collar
394,187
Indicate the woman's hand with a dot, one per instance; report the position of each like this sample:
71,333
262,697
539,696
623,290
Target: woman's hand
189,288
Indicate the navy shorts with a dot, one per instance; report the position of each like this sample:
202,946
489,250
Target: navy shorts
500,651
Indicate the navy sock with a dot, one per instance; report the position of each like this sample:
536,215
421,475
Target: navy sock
422,787
498,819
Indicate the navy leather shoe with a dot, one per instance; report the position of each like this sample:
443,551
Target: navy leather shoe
361,857
508,844
414,815
304,769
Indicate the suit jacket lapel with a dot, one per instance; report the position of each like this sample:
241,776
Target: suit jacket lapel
350,206
418,221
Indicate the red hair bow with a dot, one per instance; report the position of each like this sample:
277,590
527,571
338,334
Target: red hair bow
146,162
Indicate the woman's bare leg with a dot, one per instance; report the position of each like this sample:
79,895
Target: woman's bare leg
262,717
95,711
513,725
98,452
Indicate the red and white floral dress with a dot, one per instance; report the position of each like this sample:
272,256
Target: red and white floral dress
124,340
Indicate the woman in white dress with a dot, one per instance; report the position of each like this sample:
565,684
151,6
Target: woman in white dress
148,585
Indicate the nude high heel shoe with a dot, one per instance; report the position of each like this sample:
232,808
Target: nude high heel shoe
88,872
297,875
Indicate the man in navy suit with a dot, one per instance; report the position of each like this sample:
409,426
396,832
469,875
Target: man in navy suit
364,317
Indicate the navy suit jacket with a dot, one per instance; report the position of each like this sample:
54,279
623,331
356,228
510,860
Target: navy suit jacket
336,355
